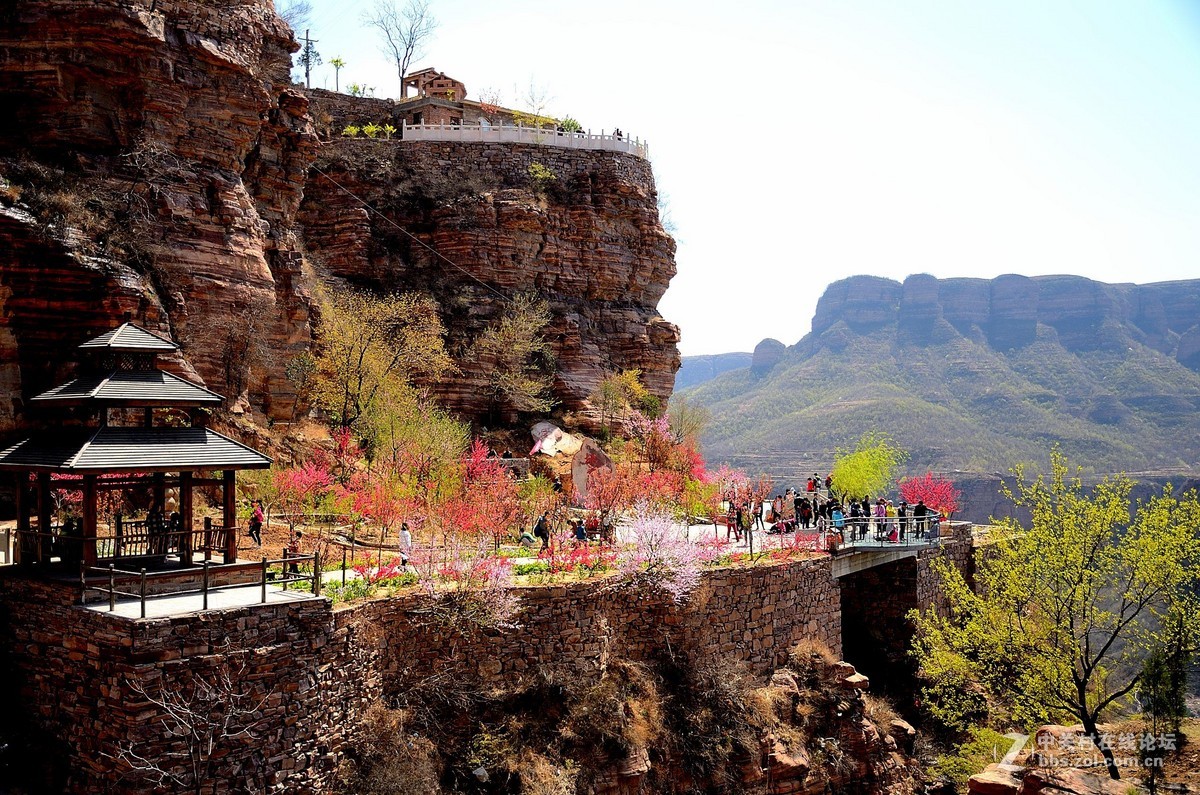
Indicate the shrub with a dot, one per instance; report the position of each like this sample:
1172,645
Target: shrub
389,759
351,130
371,130
982,748
541,176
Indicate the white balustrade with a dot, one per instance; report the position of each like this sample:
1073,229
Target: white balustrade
496,133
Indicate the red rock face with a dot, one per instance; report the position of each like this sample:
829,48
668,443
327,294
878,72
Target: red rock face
177,120
201,92
591,244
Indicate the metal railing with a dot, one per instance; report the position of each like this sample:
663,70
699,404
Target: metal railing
289,574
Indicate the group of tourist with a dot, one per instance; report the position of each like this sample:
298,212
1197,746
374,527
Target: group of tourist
836,518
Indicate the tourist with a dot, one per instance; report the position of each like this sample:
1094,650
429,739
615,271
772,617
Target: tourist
293,550
837,518
580,532
542,529
804,513
880,518
256,522
731,522
526,539
797,504
405,543
893,525
829,484
919,514
855,519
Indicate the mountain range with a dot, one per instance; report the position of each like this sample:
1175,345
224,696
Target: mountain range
971,376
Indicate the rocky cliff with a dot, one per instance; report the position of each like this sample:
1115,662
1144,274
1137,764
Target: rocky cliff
156,156
1005,313
588,240
153,160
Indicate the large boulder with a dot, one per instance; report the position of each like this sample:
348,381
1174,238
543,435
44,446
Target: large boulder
551,440
587,460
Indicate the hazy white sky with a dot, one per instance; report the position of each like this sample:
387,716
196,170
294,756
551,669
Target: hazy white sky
803,142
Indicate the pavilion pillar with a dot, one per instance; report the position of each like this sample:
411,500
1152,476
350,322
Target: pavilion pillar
45,509
229,493
22,497
160,493
89,520
185,518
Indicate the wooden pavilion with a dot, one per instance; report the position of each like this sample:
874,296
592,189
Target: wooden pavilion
118,446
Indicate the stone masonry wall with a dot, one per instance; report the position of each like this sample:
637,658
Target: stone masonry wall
77,676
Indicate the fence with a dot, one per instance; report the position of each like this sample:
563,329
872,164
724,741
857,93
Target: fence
127,539
289,574
504,133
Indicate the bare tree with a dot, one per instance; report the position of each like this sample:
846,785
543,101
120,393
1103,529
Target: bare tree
296,13
404,31
208,715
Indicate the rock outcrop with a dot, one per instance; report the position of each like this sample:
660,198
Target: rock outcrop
588,241
1006,312
168,142
767,354
153,159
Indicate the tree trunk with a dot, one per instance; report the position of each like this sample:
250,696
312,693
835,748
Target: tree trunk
1089,726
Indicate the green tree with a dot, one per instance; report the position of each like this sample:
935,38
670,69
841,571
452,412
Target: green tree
616,394
688,419
869,468
365,340
1065,610
338,64
517,356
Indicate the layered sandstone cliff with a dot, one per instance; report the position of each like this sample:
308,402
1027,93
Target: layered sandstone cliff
153,160
1005,313
163,154
588,241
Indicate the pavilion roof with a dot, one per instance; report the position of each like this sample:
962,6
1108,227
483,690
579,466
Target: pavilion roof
113,449
131,388
129,337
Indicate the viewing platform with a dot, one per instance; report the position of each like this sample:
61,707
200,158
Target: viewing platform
518,134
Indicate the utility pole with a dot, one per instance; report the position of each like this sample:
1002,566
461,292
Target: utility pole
308,55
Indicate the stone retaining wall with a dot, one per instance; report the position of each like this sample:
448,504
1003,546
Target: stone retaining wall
77,676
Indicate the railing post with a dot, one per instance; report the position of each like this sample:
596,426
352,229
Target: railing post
83,583
316,588
343,566
264,579
112,588
143,593
207,539
204,584
118,542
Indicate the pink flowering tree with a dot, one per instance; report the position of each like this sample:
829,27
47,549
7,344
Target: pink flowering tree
938,493
659,556
465,583
654,436
298,490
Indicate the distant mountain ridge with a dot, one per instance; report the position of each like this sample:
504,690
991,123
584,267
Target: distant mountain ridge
974,375
698,369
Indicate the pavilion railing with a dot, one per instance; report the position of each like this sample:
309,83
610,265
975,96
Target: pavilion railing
126,539
120,583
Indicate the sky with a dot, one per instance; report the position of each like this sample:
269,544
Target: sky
800,142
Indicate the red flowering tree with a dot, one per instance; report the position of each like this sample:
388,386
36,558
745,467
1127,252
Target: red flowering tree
298,490
938,493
